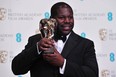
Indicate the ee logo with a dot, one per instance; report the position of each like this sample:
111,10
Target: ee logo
19,76
18,37
47,15
112,57
83,34
110,16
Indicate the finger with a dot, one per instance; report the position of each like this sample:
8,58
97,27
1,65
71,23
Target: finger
50,55
48,43
44,48
47,58
45,44
55,51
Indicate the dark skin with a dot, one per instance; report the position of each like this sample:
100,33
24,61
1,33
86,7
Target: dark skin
65,21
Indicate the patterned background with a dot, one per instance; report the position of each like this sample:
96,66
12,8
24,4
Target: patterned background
94,19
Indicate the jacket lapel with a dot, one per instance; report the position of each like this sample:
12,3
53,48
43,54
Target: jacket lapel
70,44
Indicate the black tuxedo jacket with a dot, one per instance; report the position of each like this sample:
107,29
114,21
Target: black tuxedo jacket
79,54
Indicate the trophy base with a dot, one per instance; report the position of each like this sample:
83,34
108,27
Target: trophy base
50,51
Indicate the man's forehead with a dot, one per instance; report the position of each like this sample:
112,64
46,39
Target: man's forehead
64,11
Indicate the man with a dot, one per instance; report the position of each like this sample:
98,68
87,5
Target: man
73,58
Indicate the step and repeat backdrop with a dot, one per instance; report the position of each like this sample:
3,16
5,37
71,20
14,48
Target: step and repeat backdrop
94,19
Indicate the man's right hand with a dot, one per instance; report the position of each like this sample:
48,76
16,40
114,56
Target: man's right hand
45,43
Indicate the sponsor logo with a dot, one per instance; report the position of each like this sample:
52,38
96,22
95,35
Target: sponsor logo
18,37
105,73
107,34
103,34
83,34
4,37
19,76
22,16
47,15
108,73
112,57
88,16
110,16
2,13
3,56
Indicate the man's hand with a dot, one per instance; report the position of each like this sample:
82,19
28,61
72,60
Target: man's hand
55,59
45,43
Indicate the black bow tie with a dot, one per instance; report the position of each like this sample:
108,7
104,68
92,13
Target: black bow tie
63,38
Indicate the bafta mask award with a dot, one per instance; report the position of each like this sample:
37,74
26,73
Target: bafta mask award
47,27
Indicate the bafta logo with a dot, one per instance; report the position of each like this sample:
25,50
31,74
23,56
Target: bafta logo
3,56
2,13
47,27
103,34
105,73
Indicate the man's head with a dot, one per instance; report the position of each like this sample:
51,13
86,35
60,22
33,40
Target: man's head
63,13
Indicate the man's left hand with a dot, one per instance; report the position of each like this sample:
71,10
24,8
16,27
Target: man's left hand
54,59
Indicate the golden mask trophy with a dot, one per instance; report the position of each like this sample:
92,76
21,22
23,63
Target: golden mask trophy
47,27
